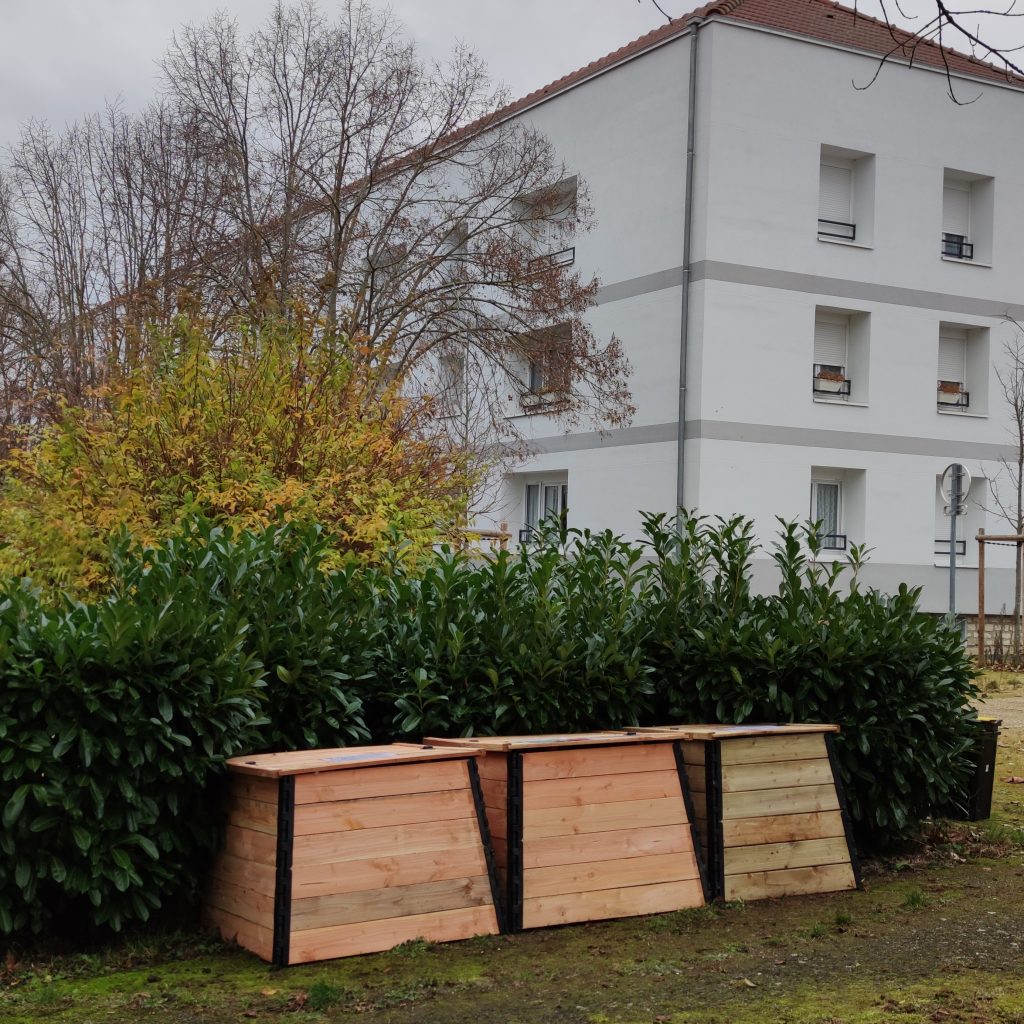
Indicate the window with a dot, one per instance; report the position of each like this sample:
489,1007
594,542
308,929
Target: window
826,511
831,348
549,219
840,357
967,525
546,379
837,506
546,501
845,195
966,216
962,369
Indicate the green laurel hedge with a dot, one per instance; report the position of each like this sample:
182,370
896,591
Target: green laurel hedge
116,716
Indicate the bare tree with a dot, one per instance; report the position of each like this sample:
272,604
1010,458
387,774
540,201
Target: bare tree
317,165
1007,490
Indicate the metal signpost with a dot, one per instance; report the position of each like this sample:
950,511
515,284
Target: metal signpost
955,485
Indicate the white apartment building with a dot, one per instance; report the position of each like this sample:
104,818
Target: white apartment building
838,293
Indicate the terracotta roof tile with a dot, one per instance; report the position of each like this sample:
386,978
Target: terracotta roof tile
815,19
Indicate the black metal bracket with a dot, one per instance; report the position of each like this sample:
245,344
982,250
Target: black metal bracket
283,880
698,849
514,899
843,810
485,841
716,838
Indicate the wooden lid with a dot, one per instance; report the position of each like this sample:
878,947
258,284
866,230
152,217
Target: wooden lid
723,732
553,741
301,762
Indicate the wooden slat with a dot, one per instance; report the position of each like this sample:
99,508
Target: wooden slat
740,860
241,901
693,752
373,936
248,844
395,901
248,873
609,874
495,793
783,828
254,937
562,821
380,812
254,814
298,762
608,903
564,764
773,748
737,778
493,766
791,882
622,843
597,789
696,778
386,780
700,804
730,732
399,869
251,787
427,837
764,802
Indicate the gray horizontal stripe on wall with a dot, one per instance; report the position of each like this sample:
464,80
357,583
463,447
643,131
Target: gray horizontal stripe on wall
656,433
657,282
864,291
847,440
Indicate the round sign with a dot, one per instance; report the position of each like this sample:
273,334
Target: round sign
946,484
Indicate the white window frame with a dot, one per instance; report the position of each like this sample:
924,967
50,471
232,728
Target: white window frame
560,488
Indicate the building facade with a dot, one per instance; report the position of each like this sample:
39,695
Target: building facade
839,293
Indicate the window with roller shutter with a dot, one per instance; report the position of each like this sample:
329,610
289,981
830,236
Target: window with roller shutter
835,199
952,369
831,355
956,220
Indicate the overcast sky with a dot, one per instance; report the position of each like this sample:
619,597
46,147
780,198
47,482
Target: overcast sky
62,59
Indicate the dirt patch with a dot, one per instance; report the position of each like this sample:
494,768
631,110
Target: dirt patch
1009,708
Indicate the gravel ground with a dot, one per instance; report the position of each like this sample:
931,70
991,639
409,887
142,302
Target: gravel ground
1010,709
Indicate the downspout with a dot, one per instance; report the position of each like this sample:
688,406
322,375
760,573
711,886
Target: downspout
691,117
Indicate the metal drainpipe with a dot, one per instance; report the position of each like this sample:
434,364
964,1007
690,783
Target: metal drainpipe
688,212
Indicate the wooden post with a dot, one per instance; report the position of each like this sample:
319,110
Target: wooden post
503,543
981,598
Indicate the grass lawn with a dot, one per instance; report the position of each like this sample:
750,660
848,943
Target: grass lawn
936,936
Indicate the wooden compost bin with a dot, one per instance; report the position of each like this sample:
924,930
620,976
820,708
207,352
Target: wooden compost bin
335,852
769,808
588,826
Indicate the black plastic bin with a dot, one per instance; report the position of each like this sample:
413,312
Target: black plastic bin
979,792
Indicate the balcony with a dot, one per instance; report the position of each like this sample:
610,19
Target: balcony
942,547
956,247
830,381
837,229
562,258
832,541
951,395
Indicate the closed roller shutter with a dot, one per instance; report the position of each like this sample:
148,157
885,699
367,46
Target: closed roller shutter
830,340
835,200
953,355
956,209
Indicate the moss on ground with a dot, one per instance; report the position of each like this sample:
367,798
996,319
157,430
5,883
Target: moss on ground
936,936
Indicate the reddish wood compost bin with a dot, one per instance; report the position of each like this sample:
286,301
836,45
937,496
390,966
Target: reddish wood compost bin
588,826
335,852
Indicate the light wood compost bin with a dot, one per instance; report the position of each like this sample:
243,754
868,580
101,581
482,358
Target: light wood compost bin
335,852
588,826
769,807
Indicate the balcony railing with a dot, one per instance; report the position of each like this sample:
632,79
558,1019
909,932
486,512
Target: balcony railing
942,547
837,229
830,380
832,541
957,247
951,395
562,258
